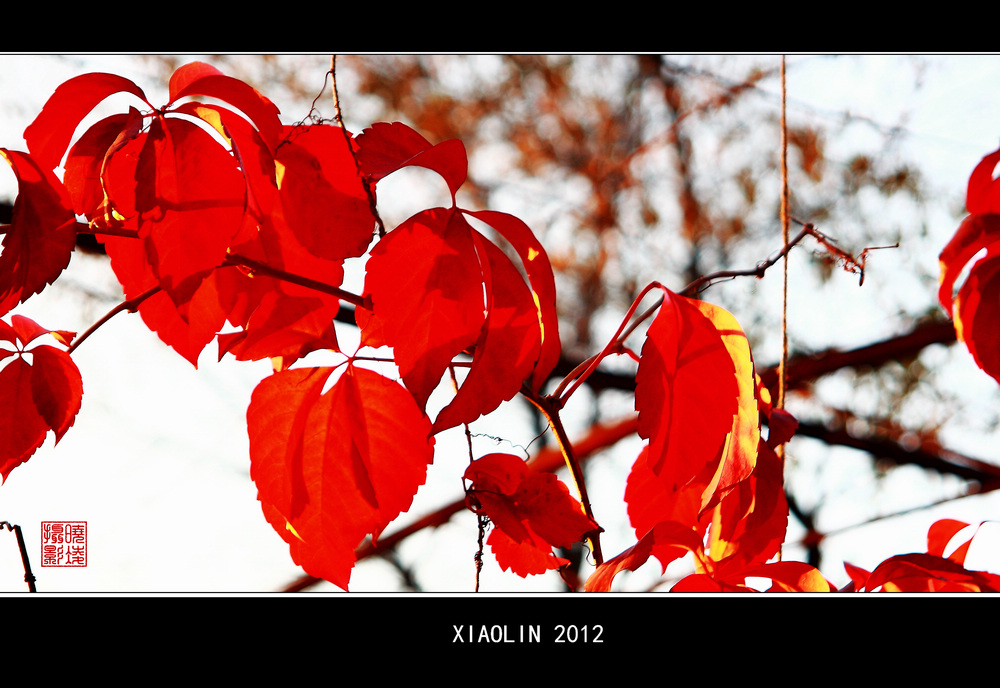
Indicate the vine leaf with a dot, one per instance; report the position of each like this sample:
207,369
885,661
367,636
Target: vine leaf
40,240
202,79
35,397
426,287
688,397
332,467
531,513
385,148
975,308
49,135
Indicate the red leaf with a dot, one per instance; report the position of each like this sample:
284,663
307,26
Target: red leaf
977,314
190,205
205,315
201,79
542,283
40,240
426,287
384,148
977,232
322,198
49,134
56,387
687,393
283,327
22,428
333,467
671,539
983,193
928,573
941,533
749,523
85,161
531,513
508,347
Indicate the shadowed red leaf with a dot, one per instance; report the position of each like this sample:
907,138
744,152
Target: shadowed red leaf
384,148
531,513
42,234
34,397
426,287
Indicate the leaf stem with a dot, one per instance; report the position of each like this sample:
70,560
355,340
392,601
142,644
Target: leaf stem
580,374
549,406
277,273
129,305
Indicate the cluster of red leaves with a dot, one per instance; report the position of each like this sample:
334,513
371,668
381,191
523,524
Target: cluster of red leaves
223,224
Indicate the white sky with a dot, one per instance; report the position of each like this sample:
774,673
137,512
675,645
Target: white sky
157,461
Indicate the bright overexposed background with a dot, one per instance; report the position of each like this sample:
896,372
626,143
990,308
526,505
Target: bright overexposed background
157,461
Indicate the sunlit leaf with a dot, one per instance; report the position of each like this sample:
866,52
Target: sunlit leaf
332,467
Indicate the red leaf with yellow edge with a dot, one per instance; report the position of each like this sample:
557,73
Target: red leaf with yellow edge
531,513
42,234
426,287
976,233
201,79
332,467
977,314
740,455
749,523
687,393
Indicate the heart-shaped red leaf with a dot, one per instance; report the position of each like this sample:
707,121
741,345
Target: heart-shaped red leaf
332,467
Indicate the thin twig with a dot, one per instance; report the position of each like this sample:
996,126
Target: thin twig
784,240
372,204
130,305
